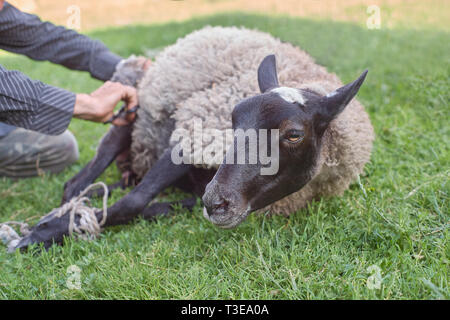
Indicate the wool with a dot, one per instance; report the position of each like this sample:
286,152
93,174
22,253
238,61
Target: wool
290,95
205,74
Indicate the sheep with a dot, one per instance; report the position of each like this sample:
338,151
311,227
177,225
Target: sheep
220,64
212,77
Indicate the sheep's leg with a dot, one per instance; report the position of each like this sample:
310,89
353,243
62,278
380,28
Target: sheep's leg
117,140
164,208
163,174
99,192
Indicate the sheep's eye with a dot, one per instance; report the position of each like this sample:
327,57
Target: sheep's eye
294,137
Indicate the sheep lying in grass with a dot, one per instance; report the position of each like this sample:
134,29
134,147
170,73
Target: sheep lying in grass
208,72
212,77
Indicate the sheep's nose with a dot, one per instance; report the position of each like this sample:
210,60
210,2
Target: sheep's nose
219,207
217,201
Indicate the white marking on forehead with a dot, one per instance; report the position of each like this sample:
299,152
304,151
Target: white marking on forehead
331,94
290,94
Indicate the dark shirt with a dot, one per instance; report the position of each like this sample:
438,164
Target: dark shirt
32,104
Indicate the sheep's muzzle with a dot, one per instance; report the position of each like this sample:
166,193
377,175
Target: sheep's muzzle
224,208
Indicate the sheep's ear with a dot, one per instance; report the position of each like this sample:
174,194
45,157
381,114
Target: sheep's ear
335,102
267,74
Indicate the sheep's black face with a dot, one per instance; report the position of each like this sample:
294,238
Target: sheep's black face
284,125
237,189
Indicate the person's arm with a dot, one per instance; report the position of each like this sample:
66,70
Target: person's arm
34,105
40,107
26,34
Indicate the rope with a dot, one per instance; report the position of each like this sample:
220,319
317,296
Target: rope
9,236
88,228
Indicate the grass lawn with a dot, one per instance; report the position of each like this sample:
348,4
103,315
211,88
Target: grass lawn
395,218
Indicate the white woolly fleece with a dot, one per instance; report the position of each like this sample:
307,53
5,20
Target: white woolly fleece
291,95
205,74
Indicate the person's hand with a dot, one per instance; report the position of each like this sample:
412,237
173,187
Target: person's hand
99,105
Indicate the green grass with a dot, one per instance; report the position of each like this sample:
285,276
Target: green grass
396,218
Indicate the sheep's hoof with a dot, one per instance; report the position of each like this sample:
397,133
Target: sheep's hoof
22,245
48,231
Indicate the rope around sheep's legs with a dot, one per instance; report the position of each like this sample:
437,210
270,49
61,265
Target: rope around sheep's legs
87,228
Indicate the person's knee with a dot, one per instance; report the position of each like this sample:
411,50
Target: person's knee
58,152
70,145
28,154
